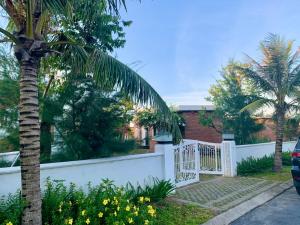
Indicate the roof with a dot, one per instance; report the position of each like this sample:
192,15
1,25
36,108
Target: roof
183,108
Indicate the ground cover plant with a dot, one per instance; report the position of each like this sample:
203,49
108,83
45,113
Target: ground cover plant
172,213
101,204
263,167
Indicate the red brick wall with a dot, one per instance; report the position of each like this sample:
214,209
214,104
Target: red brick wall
193,130
268,130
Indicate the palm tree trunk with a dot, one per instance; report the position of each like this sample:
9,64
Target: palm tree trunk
279,140
30,142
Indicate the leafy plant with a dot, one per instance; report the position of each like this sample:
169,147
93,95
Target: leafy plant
157,190
4,163
101,204
252,165
229,95
11,209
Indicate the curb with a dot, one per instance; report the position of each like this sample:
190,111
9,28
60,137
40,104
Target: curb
234,213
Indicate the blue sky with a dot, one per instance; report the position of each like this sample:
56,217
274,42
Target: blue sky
179,46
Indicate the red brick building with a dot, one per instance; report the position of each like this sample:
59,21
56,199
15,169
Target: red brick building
193,129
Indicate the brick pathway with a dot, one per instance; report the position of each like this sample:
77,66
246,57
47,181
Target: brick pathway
223,193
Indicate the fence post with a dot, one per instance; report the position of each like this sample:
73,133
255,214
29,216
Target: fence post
229,158
164,144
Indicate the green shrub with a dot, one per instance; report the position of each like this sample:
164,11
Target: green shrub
4,163
102,204
286,159
122,146
11,209
157,190
252,165
116,146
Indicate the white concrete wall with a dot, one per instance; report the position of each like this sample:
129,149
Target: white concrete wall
8,156
260,150
124,169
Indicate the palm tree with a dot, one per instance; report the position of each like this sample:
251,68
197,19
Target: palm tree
38,28
277,76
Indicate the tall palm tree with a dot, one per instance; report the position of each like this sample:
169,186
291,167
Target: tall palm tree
38,28
277,76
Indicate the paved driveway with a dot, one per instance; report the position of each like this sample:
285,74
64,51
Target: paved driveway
223,193
282,210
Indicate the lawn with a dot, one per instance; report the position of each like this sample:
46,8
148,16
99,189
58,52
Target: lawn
282,176
171,213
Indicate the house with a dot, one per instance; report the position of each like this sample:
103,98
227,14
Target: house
193,129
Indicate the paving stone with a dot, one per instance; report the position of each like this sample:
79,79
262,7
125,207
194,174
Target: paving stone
224,192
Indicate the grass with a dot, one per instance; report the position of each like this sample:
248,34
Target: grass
171,213
282,176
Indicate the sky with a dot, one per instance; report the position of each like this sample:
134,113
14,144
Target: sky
179,46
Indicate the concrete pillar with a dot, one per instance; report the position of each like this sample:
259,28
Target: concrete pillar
164,144
229,158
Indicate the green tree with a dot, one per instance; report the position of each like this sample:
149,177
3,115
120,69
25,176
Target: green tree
229,96
38,28
9,97
151,118
291,128
277,76
90,120
98,28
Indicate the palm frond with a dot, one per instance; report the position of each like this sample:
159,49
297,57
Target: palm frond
41,22
29,19
56,7
258,104
256,78
9,35
109,71
61,7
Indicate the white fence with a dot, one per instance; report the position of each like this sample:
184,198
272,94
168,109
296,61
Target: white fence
9,156
260,150
163,164
134,169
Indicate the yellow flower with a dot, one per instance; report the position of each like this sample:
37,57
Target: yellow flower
118,208
9,223
141,199
136,213
147,199
87,221
116,201
151,211
130,220
127,208
83,212
115,213
100,214
146,222
105,201
70,221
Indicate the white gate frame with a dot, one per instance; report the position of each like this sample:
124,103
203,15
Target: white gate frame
216,161
186,163
183,163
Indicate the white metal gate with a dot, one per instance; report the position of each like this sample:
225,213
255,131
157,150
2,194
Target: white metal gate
193,157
